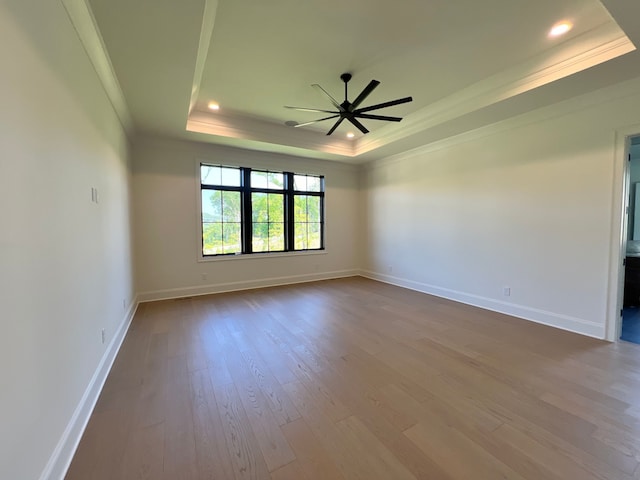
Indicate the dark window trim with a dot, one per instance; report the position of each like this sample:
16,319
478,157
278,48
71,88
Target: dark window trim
246,219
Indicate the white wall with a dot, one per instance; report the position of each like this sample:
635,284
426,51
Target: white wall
165,197
65,262
527,203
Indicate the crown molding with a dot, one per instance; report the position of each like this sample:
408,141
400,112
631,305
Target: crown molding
208,22
600,45
84,22
627,89
265,132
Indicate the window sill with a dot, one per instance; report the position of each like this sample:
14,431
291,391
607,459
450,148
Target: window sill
253,256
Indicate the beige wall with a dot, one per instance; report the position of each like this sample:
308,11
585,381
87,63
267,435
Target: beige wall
165,201
65,262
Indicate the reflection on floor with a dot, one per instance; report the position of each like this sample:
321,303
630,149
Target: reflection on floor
631,324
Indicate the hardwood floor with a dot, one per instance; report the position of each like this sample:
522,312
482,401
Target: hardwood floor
354,379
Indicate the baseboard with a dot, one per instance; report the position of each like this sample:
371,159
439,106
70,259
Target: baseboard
244,285
61,458
564,322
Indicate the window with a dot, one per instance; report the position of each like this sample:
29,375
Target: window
307,212
259,211
267,211
221,210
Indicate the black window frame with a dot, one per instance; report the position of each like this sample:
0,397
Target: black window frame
246,216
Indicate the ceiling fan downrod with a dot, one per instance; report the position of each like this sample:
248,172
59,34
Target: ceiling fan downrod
345,77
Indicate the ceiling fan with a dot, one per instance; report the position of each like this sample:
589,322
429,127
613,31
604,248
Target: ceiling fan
349,110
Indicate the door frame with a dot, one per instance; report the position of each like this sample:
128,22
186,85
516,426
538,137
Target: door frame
620,224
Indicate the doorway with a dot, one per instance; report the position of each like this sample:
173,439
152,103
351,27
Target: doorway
630,327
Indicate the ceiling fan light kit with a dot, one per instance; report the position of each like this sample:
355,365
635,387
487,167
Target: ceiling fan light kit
349,110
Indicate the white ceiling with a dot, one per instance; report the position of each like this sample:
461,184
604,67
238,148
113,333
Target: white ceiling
465,63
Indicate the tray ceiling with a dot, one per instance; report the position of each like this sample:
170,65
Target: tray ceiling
466,64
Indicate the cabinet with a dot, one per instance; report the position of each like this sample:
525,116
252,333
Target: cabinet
632,282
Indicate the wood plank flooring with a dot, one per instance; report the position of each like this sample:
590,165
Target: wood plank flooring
354,379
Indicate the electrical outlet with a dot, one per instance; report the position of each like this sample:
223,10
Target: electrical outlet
103,336
124,304
204,276
390,269
506,291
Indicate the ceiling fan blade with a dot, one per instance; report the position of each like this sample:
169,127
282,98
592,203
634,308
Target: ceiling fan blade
335,126
364,94
303,109
358,125
385,104
316,121
378,117
333,100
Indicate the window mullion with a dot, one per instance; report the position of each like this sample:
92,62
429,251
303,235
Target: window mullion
322,216
247,212
289,212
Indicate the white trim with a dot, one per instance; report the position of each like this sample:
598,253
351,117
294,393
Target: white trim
607,42
263,132
556,110
564,322
259,255
84,22
208,21
62,455
243,285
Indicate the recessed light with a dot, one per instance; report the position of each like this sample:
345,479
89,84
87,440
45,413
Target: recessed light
560,28
213,106
350,135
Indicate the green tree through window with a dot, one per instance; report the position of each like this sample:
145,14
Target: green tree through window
254,211
221,211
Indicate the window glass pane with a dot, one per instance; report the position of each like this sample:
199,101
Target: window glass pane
313,209
222,199
260,210
260,241
300,208
216,175
231,233
211,206
300,234
300,182
230,177
276,237
314,235
276,207
211,238
259,180
275,180
313,184
231,207
209,175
